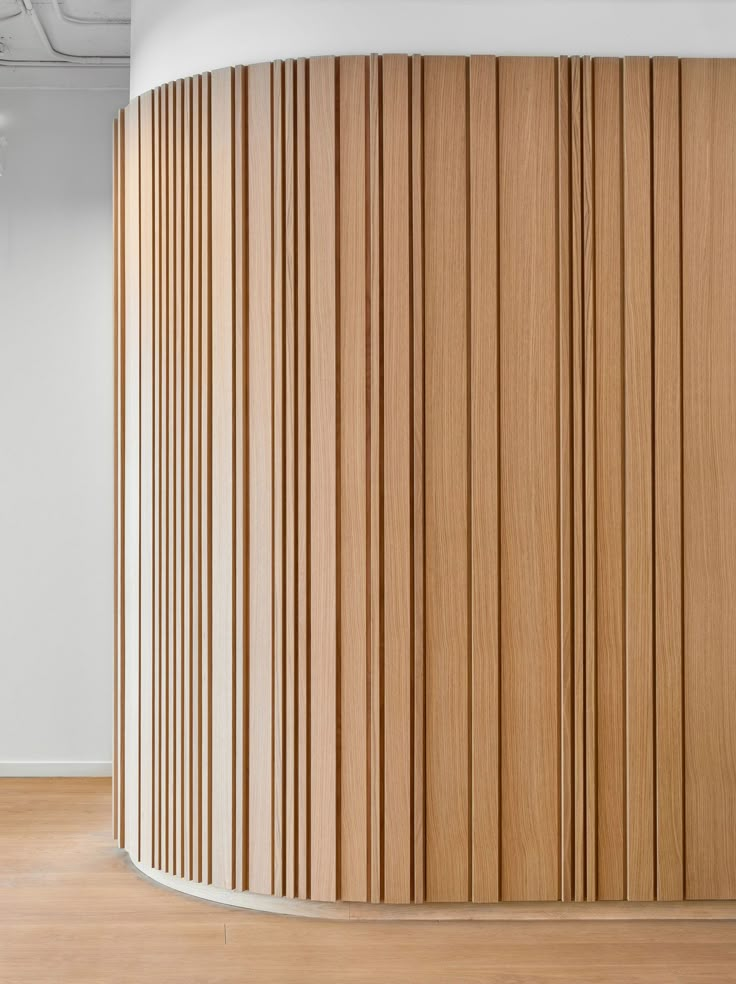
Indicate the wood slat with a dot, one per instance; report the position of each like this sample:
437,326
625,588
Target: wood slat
708,287
303,458
667,397
565,588
530,726
417,274
222,476
323,396
639,511
484,422
290,483
610,451
578,472
277,479
397,426
240,693
375,479
260,442
353,469
446,480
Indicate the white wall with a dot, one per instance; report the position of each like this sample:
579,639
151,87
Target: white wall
56,420
176,38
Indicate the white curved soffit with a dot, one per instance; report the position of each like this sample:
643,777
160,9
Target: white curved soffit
173,39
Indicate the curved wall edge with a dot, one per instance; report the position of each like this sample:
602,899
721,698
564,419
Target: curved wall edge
448,911
176,38
399,612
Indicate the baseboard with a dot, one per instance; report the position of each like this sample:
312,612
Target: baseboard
18,770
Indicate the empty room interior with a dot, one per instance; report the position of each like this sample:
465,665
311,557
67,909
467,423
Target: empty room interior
368,491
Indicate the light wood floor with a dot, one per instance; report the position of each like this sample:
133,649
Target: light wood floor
73,909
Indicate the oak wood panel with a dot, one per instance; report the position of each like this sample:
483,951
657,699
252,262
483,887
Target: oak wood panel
145,604
353,470
610,541
279,501
303,436
417,233
446,480
668,476
290,480
323,485
416,424
375,479
565,587
240,585
709,471
485,477
577,474
187,603
397,426
260,443
638,458
223,479
528,360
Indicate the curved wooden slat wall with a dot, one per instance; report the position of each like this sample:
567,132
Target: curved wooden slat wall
386,577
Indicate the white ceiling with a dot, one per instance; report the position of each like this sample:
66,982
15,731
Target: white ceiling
76,29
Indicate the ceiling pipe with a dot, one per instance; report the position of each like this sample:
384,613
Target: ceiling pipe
60,58
89,21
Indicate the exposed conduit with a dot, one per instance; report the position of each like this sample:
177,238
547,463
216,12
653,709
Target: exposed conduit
88,21
60,58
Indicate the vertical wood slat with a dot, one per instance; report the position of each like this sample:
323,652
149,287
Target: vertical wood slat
290,483
484,341
185,868
260,441
323,361
564,481
222,475
708,201
277,471
302,439
160,358
205,451
195,744
375,479
169,325
530,727
446,479
610,444
589,481
177,792
353,501
131,478
146,620
418,444
397,427
638,419
667,397
577,470
240,585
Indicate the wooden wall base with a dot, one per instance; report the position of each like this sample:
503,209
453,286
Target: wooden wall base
429,911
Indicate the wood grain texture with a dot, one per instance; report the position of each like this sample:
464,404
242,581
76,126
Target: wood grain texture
424,467
708,232
530,719
446,480
668,476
